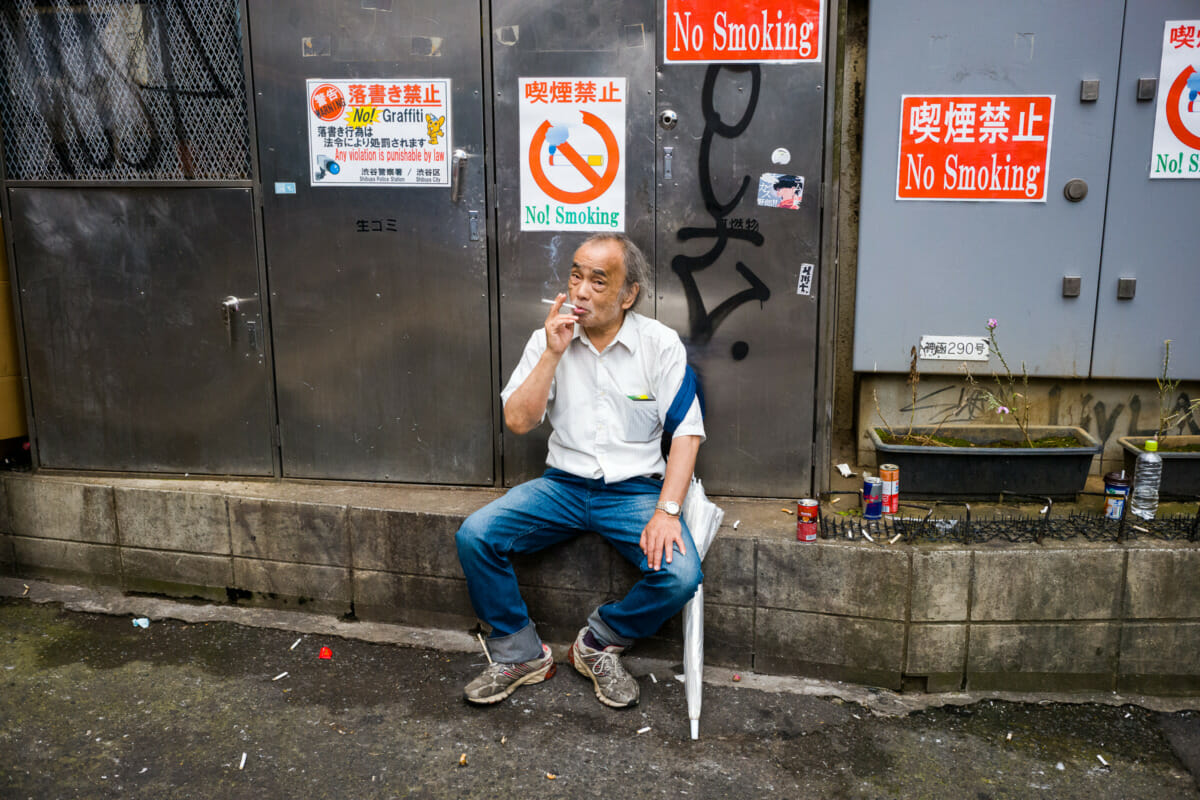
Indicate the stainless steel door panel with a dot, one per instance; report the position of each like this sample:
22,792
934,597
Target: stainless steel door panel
607,38
729,268
381,336
1150,231
131,363
970,261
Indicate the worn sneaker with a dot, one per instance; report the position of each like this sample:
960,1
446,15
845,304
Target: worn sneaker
614,686
498,681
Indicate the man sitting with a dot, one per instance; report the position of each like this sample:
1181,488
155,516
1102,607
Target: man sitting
606,378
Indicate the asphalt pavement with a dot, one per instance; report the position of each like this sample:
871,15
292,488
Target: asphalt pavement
93,706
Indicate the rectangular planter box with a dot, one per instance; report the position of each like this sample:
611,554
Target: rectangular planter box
1181,471
984,472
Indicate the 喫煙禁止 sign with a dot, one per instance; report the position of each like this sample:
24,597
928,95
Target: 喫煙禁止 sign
391,132
572,140
974,147
750,31
1177,119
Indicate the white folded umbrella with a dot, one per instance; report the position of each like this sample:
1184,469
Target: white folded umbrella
703,518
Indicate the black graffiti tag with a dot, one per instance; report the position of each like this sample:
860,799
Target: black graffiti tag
701,322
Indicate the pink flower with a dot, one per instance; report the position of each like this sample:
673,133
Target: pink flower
1002,410
992,324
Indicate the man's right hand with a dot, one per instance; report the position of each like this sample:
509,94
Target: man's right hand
560,327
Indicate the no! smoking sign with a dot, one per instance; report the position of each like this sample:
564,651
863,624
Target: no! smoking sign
572,140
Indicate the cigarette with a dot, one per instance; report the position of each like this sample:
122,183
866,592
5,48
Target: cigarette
243,764
564,305
279,676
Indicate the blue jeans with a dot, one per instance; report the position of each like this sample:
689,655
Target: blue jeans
554,508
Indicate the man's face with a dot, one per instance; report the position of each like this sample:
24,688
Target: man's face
786,193
597,275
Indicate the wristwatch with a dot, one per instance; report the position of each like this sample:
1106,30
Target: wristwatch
671,507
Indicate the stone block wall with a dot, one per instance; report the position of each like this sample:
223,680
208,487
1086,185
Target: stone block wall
1084,616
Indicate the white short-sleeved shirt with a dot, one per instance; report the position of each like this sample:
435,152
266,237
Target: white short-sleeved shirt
607,409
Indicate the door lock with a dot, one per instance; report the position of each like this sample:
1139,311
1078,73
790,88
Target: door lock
458,173
230,306
668,119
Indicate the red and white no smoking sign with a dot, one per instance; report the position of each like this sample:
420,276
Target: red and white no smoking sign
572,154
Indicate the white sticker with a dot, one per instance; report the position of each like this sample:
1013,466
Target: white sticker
804,287
379,132
572,151
781,155
954,348
1176,152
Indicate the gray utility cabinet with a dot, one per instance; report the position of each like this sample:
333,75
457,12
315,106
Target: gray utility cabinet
935,267
201,292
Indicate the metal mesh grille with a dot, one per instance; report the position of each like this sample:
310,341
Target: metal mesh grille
119,90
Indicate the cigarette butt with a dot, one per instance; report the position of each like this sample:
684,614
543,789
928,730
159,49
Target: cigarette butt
26,585
736,522
867,536
787,511
652,678
835,500
1102,761
503,740
1139,528
550,776
894,539
243,764
280,675
483,644
1009,737
643,730
462,760
293,647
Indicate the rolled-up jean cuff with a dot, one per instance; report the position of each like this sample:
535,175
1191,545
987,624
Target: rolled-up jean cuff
606,634
524,645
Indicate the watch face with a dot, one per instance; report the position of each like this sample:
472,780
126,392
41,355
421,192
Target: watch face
671,508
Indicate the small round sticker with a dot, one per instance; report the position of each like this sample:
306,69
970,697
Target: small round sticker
781,156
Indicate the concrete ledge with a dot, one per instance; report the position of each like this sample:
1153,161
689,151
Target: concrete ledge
87,564
1070,617
172,520
1075,583
59,509
835,648
279,583
833,578
1046,655
306,533
1164,583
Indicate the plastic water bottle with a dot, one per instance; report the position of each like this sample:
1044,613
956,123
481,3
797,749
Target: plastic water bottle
1146,477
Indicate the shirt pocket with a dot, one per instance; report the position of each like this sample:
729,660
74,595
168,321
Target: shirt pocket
641,420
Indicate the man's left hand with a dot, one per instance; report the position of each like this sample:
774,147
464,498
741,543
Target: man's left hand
658,537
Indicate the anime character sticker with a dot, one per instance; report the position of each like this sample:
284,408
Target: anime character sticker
778,190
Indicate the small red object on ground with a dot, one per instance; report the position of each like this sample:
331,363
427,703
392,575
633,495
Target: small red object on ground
326,653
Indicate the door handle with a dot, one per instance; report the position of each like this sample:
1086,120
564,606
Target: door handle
458,173
229,308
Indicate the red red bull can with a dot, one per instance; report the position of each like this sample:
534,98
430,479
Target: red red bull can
808,516
872,498
890,475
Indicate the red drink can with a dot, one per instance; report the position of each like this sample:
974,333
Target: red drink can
890,475
808,513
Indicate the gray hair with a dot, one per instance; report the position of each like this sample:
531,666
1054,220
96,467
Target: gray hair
637,268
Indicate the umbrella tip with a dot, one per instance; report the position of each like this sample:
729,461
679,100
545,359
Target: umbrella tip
695,729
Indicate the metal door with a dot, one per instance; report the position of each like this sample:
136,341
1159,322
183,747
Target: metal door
733,298
1149,236
564,40
737,274
134,362
978,260
379,293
